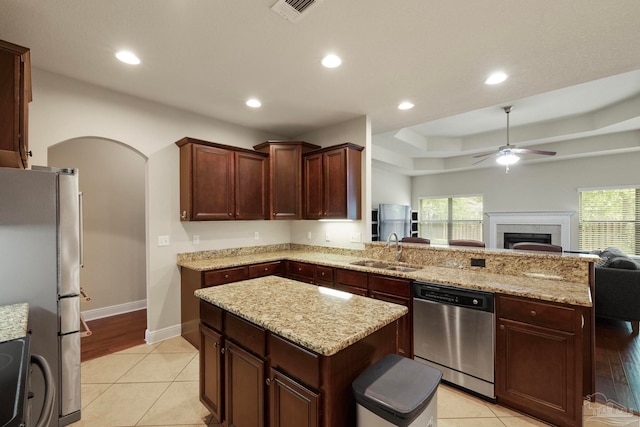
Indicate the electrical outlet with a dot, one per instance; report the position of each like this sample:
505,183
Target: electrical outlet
327,236
196,239
308,235
356,237
256,235
478,262
163,240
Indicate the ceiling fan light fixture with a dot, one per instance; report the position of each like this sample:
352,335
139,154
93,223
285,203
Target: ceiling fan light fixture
507,159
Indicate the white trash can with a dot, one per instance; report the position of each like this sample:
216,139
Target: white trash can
397,391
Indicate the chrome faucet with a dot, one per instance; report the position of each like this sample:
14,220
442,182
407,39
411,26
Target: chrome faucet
398,245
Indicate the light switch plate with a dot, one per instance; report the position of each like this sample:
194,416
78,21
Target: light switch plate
356,237
163,240
196,239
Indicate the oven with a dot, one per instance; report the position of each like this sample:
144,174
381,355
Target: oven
453,330
16,367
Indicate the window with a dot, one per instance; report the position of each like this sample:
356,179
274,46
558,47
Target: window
444,219
610,217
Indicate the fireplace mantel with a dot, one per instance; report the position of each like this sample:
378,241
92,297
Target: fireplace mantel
559,218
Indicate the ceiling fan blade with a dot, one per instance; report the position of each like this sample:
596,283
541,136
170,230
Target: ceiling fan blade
486,157
530,151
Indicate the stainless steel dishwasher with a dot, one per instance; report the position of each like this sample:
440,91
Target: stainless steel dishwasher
453,330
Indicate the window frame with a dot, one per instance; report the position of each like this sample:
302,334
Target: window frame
450,222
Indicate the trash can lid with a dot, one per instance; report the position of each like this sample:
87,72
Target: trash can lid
396,388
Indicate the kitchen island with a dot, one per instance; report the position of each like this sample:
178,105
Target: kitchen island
276,351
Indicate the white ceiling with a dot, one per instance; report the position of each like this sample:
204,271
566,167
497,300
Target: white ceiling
209,56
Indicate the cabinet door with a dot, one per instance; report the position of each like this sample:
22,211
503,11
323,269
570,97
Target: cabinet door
250,186
15,94
301,271
212,192
265,269
291,404
286,182
244,387
212,371
313,187
225,275
536,371
405,330
335,184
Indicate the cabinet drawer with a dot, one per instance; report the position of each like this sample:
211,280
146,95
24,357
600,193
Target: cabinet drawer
265,269
295,360
300,269
351,289
324,275
351,278
226,275
390,285
211,315
537,313
248,335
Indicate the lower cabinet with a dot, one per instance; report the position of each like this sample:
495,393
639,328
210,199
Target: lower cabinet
538,359
212,371
290,403
244,387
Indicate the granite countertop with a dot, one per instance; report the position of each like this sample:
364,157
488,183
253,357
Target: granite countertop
537,285
14,320
324,323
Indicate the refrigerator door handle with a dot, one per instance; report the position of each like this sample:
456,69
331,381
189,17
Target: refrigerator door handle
81,225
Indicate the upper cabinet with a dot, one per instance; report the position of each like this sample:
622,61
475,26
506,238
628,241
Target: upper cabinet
285,177
332,182
15,95
220,182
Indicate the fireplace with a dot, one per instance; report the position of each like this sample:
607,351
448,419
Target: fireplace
555,226
511,239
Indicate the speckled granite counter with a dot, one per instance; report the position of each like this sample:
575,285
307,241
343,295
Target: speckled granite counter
14,321
541,276
321,322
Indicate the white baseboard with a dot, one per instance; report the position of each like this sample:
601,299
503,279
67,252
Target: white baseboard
152,337
114,310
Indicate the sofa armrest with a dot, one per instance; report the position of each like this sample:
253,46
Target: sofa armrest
617,293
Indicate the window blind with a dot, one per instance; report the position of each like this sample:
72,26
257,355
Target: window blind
447,218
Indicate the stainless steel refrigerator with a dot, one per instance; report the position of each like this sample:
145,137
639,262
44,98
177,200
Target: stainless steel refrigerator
40,253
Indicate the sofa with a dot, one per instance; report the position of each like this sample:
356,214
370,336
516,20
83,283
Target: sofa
617,287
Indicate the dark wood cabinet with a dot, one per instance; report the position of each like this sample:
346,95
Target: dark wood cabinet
219,182
244,387
285,177
301,271
538,359
15,95
332,182
354,282
265,269
212,371
324,276
397,291
291,404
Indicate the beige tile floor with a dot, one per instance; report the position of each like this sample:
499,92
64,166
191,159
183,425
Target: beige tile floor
157,385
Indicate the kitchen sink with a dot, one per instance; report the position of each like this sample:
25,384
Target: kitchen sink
384,266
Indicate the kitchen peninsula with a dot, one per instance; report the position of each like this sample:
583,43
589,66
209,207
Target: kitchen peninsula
306,343
543,311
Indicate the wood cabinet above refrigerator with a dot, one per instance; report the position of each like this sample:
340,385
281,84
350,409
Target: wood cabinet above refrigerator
15,95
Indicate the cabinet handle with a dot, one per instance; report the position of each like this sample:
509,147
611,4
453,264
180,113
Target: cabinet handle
226,276
322,273
533,312
268,381
183,215
266,269
222,350
299,268
215,344
230,214
501,326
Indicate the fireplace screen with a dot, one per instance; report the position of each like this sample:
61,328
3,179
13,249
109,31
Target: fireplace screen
512,238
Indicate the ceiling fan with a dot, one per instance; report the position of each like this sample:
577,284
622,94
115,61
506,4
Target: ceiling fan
507,154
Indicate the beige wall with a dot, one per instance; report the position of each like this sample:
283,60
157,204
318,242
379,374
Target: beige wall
390,187
548,186
112,180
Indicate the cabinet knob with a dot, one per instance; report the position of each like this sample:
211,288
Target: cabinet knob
299,268
183,215
322,274
266,269
501,326
222,350
30,153
215,344
533,312
230,214
226,276
268,381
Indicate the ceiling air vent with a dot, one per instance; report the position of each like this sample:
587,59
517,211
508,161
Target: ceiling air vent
293,10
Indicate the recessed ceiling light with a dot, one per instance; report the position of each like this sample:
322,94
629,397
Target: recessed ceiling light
254,103
128,57
496,78
405,105
331,61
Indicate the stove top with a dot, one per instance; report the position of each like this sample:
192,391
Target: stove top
14,369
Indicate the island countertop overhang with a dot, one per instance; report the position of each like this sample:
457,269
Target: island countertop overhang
304,314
